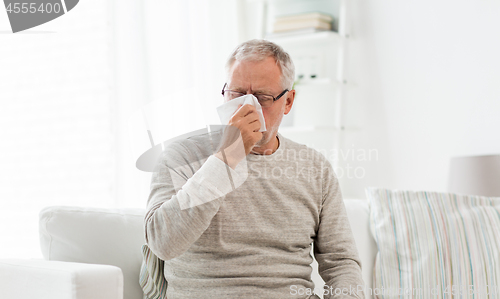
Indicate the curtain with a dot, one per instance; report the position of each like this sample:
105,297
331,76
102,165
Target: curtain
78,95
176,51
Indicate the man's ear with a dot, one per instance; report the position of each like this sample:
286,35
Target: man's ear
290,97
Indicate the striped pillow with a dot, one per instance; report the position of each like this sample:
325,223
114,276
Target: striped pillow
435,245
151,279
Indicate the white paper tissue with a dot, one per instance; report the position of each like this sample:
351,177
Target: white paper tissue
227,110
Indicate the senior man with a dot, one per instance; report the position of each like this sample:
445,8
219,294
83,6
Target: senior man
230,231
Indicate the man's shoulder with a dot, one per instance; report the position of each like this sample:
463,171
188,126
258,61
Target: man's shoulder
197,145
304,152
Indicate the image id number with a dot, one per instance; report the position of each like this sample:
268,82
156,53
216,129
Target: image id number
32,8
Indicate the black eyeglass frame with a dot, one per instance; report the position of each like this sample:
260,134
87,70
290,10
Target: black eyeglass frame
274,98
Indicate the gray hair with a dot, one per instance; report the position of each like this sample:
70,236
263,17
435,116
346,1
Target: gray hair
258,50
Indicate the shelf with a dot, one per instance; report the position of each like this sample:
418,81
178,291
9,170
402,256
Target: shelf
323,95
305,129
322,81
316,81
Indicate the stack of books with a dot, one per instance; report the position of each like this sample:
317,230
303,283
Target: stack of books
307,22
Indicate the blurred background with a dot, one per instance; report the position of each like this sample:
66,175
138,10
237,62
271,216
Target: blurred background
389,91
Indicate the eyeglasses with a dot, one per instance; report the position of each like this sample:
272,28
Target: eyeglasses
265,100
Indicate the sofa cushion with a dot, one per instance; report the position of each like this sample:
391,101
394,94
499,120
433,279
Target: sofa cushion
435,244
359,219
96,236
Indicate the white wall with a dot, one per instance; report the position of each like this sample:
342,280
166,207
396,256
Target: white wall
427,75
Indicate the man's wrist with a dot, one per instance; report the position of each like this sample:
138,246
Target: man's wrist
228,159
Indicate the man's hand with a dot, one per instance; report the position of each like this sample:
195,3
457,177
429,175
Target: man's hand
240,136
247,121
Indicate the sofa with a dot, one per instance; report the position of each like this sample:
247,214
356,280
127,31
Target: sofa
92,253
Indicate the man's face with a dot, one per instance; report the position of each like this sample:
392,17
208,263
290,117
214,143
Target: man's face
262,77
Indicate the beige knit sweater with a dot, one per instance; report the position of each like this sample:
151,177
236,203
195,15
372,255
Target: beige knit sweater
247,233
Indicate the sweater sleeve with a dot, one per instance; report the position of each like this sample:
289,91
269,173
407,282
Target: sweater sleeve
186,193
334,247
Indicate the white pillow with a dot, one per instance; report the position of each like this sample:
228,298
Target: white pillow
437,245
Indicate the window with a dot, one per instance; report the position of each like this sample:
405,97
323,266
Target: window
56,141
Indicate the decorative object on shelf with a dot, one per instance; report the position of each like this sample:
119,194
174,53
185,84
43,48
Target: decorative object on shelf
306,21
476,175
314,55
316,58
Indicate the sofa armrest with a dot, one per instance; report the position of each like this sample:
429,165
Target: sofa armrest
59,280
